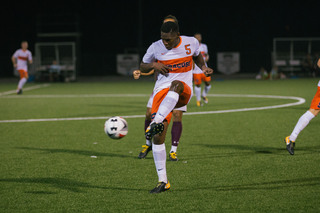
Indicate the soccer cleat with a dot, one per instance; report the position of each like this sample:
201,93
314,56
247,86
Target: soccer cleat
205,99
19,92
198,103
153,129
290,145
146,149
161,187
173,156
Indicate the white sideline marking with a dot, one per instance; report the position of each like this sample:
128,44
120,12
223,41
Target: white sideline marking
25,89
297,99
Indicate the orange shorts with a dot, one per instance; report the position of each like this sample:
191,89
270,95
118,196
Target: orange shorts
198,78
23,74
315,103
184,99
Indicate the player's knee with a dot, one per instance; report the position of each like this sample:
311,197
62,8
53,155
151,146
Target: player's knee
177,86
176,115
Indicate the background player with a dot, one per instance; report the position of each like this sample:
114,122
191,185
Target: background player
176,129
20,60
198,75
174,55
304,119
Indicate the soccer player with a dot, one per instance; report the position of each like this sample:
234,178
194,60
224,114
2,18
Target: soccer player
198,75
304,119
176,129
20,60
171,57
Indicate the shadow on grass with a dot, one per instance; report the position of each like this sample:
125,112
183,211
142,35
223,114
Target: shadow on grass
271,185
249,150
78,152
62,183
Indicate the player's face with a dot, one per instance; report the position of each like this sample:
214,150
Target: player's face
198,37
24,45
170,40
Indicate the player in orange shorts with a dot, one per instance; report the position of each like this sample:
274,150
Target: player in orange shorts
174,55
198,76
20,60
176,129
304,119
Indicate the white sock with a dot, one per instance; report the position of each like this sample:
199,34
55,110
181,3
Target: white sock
159,157
148,142
173,149
22,82
206,90
197,91
302,123
166,106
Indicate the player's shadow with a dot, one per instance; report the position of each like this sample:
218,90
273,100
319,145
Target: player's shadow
268,185
78,152
62,183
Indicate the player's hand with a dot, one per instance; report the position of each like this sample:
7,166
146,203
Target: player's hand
161,68
136,74
207,71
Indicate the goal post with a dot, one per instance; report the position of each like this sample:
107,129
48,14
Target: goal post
64,55
289,53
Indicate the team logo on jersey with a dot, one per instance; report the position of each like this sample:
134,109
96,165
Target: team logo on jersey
179,65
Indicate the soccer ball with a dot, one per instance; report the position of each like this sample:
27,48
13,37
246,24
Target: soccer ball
116,127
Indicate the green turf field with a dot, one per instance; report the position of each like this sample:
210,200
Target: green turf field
228,162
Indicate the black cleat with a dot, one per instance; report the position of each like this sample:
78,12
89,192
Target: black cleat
290,145
161,187
19,92
153,129
146,149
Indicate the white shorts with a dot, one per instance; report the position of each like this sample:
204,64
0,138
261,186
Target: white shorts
149,104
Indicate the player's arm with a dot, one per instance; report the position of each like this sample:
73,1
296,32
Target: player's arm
137,73
157,67
14,61
200,63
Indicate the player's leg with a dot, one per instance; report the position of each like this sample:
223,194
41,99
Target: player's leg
23,80
148,146
170,101
159,156
206,89
197,87
176,131
303,122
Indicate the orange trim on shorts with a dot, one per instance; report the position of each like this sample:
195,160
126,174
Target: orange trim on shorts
23,74
184,99
199,77
315,103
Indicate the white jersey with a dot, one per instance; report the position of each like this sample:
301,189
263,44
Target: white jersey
204,51
319,84
179,59
22,58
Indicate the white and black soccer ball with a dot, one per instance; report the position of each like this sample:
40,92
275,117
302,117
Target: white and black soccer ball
116,127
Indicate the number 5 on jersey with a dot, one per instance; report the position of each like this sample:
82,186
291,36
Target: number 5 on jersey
188,50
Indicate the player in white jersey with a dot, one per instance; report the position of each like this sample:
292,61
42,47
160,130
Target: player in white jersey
304,119
20,60
176,129
172,57
198,75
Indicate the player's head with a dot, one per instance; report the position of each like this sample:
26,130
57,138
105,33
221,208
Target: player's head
170,18
198,36
24,45
170,34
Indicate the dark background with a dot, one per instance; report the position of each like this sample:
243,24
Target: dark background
107,28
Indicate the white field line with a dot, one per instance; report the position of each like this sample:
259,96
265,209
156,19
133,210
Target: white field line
297,100
2,94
